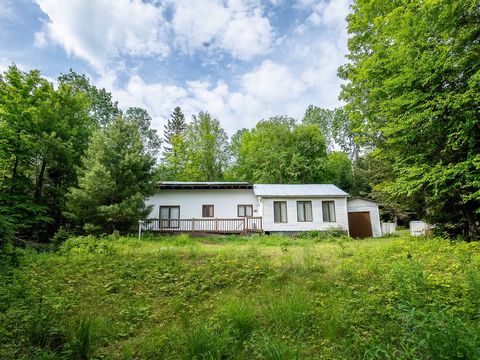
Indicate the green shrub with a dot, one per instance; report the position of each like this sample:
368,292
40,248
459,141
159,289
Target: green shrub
61,236
332,234
88,245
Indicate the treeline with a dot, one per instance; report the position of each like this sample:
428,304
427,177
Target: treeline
413,93
408,136
276,150
70,158
72,161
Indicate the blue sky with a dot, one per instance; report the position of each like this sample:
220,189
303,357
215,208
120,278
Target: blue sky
241,60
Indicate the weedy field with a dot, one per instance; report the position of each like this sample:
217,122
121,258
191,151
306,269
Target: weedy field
264,297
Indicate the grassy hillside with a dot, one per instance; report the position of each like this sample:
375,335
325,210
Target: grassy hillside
256,298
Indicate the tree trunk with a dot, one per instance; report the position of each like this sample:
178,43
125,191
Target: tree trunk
471,217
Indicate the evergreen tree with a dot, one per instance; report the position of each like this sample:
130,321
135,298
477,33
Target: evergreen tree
174,151
115,178
175,127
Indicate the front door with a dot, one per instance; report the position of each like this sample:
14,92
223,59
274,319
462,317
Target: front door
359,224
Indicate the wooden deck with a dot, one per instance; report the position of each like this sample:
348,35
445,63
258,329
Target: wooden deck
245,225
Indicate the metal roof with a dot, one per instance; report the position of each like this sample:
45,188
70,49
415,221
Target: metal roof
203,185
299,190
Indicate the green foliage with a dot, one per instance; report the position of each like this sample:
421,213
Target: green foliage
175,126
332,234
240,316
203,342
142,120
207,149
115,178
412,88
174,157
339,171
87,245
242,298
336,127
274,349
80,344
279,151
44,133
102,107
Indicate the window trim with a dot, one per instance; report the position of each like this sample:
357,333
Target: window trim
207,206
245,206
304,202
169,220
286,212
329,220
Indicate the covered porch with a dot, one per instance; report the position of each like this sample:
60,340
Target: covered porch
246,225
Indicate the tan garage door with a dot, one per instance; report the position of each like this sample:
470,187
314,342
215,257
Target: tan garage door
359,224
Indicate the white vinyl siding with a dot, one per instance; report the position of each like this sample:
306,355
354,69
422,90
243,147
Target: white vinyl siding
269,224
225,202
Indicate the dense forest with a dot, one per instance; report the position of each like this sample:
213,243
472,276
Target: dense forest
72,161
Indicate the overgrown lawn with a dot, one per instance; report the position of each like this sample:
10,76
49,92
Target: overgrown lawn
264,297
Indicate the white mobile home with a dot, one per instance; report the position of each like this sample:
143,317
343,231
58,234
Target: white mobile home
240,207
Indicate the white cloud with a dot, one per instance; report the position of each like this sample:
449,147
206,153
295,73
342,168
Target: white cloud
302,71
267,90
98,31
331,13
196,23
272,83
101,31
237,26
40,39
247,35
4,64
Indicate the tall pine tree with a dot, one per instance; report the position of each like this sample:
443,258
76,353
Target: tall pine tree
115,177
174,153
176,126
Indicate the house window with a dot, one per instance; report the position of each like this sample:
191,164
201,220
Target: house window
328,209
168,216
304,211
207,210
245,210
280,211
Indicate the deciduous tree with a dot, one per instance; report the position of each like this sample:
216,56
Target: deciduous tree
413,84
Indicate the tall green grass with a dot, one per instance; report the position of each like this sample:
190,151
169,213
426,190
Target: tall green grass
243,298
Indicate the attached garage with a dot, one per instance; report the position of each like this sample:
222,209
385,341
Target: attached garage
363,218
